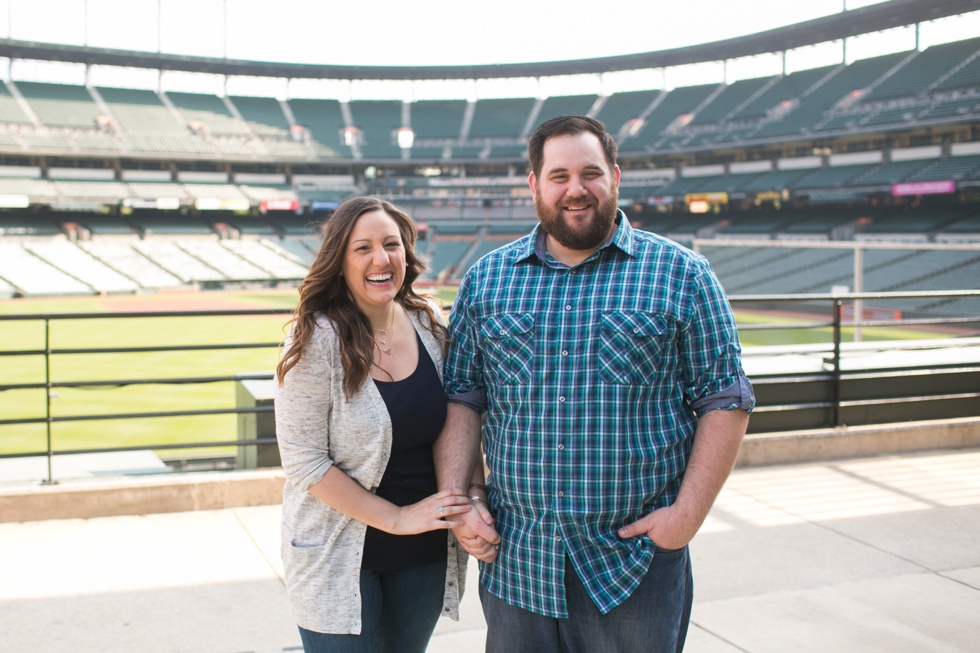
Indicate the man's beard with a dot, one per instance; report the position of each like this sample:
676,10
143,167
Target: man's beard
591,235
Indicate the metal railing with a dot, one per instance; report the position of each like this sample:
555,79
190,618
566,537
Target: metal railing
834,377
832,351
50,384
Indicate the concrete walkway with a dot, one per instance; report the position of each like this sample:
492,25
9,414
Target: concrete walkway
871,555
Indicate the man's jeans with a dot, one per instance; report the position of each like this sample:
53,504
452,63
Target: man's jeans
399,611
654,618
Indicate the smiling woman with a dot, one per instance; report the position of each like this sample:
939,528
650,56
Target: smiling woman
359,404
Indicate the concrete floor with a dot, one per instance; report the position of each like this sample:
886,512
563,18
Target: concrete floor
872,555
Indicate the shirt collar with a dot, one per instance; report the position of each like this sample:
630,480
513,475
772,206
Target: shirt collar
534,245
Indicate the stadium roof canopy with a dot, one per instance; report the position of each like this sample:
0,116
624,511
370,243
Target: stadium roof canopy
873,18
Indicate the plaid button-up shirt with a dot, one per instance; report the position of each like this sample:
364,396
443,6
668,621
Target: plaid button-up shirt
594,376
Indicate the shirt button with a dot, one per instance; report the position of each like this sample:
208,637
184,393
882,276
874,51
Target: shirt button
564,352
561,400
636,331
560,493
557,538
561,447
568,307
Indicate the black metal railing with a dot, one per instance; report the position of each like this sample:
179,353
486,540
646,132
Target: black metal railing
830,383
812,304
50,384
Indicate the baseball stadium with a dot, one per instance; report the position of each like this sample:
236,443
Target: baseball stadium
153,236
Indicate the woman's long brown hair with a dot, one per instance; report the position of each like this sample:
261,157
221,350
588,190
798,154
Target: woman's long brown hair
324,291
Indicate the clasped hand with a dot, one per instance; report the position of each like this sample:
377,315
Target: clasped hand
431,513
475,533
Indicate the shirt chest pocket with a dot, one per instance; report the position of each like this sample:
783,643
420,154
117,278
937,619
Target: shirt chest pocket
508,348
632,347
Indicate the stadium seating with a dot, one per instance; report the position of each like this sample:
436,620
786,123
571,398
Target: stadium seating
837,85
264,116
110,191
794,86
923,70
730,101
421,153
266,256
964,75
325,123
437,119
302,249
126,260
10,110
209,110
670,107
378,122
775,180
226,261
831,99
61,105
620,108
951,107
7,291
143,218
954,167
921,223
33,276
38,190
888,173
38,141
830,177
565,105
503,118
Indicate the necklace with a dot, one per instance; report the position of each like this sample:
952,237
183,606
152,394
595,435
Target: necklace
382,342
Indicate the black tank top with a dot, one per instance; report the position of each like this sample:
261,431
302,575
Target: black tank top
417,407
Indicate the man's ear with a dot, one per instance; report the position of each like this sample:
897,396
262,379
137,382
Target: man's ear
532,182
617,173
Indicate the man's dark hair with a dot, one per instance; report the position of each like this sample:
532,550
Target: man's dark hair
564,126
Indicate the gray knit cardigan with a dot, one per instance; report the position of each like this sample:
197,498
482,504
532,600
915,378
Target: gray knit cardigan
316,428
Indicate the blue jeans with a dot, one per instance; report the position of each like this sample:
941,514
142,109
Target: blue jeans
653,619
399,611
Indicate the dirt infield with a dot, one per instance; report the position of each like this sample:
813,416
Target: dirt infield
183,301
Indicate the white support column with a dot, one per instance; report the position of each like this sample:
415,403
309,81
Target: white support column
858,287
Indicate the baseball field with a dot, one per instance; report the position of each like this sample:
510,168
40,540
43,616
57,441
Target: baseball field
101,373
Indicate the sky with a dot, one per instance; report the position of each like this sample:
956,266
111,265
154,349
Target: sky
435,32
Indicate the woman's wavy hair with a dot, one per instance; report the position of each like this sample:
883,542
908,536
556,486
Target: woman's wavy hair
325,292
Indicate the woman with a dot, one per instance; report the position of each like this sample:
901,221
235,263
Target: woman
369,564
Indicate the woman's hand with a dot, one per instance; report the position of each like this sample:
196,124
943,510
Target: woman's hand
428,514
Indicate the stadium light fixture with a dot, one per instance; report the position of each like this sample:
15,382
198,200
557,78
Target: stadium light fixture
406,138
352,135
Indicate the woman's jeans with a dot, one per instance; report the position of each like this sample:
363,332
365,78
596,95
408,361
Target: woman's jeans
399,611
653,619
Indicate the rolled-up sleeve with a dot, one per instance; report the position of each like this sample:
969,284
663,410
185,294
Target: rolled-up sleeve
302,406
712,356
463,376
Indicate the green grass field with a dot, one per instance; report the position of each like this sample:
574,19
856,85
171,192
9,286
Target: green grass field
136,332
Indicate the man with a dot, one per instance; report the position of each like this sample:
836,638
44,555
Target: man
609,367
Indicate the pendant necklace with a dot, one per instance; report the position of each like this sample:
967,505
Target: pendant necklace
382,343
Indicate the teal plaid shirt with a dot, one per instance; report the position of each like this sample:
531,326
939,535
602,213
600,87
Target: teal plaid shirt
593,379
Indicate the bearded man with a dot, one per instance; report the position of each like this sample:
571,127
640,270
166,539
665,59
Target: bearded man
608,365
